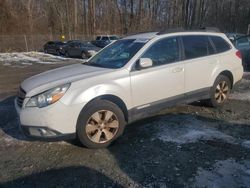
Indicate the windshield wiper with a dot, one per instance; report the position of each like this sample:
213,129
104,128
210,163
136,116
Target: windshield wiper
93,64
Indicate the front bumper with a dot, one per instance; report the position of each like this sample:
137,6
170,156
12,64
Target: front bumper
45,134
52,123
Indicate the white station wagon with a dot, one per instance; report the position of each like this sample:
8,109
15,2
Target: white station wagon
128,80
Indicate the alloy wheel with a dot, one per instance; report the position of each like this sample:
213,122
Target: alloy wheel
221,92
102,126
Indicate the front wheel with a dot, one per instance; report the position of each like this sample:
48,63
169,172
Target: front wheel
220,91
83,55
99,124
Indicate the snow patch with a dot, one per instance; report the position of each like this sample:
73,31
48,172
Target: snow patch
28,58
187,129
227,173
242,91
183,129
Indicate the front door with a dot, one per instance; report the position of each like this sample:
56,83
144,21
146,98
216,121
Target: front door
164,80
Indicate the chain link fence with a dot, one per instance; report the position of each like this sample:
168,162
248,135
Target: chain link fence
22,43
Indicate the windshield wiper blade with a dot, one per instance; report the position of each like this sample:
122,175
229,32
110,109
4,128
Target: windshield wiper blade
94,64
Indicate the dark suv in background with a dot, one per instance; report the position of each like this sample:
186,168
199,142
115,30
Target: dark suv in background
103,40
243,45
77,48
53,47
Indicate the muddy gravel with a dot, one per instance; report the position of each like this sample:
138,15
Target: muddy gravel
185,146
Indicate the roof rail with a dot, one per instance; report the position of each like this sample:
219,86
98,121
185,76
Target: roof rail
193,29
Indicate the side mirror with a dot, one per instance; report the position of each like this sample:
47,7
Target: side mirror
145,63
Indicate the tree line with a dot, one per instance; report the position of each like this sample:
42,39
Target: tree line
91,17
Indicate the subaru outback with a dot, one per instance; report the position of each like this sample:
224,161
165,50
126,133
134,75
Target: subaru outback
128,80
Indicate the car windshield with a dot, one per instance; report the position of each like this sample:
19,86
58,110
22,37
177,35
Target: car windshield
117,54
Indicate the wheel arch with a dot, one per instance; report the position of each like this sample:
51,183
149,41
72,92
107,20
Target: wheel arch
112,98
228,74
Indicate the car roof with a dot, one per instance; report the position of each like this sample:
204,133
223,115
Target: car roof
148,35
151,35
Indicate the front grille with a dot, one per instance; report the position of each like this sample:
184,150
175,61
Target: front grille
20,97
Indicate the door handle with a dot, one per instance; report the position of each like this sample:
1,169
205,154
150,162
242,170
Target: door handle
177,69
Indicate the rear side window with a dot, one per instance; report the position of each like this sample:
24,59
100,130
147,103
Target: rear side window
220,44
197,46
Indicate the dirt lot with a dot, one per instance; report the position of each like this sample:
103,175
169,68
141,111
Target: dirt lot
186,146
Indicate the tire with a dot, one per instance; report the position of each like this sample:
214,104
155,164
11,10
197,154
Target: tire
58,53
220,91
100,135
83,55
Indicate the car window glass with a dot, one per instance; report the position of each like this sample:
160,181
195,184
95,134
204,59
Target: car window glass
197,46
242,42
220,44
117,54
113,38
163,52
105,38
98,38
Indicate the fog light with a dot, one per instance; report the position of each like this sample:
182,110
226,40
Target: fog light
41,132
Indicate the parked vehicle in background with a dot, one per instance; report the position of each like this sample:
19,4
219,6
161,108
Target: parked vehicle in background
81,49
130,79
103,40
243,44
234,36
53,47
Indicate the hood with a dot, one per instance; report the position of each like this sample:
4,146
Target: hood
53,78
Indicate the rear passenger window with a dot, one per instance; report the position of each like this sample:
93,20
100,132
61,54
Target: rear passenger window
220,44
197,46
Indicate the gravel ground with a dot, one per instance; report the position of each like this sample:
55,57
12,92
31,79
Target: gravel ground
185,146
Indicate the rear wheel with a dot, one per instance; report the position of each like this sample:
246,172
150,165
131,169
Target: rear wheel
220,91
100,124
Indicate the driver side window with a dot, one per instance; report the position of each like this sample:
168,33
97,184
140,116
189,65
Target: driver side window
163,52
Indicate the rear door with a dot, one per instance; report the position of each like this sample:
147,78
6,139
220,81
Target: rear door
199,63
163,81
73,49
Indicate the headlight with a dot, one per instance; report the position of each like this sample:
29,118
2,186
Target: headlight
48,97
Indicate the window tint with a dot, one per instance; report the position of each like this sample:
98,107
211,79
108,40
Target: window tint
105,38
98,38
242,41
163,52
113,38
220,44
197,46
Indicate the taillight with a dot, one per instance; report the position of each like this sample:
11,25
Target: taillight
238,54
